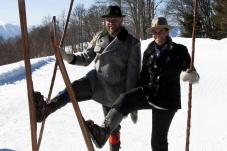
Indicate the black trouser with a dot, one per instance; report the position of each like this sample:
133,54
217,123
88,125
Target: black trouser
83,92
161,119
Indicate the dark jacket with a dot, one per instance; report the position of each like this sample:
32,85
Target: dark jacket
160,77
117,65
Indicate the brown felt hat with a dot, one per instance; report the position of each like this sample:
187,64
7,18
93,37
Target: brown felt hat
159,22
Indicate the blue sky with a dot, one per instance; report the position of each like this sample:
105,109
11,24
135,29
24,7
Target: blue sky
36,10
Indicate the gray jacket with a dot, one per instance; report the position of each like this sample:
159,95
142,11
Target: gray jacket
117,65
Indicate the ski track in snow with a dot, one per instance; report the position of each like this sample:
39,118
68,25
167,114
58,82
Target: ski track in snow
62,131
18,73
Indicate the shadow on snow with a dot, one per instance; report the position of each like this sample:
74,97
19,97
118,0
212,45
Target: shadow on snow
18,72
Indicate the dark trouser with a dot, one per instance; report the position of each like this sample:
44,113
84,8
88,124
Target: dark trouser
83,92
81,88
161,119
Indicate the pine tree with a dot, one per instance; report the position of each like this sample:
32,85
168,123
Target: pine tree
219,21
187,23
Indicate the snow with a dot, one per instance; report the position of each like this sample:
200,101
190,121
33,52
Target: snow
11,29
62,131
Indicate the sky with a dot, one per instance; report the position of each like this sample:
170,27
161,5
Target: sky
36,10
62,132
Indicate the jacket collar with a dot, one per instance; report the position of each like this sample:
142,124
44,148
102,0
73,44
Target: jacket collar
149,53
167,45
121,36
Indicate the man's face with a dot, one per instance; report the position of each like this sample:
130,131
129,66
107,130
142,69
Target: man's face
113,24
160,35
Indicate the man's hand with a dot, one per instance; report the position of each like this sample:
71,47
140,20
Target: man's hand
134,116
65,56
190,76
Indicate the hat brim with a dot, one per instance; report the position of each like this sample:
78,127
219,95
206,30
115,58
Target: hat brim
149,30
104,16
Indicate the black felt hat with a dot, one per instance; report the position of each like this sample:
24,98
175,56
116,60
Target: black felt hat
113,11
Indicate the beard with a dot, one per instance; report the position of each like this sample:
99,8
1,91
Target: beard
113,31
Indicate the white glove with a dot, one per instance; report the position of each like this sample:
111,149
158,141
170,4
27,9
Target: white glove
65,56
134,116
190,76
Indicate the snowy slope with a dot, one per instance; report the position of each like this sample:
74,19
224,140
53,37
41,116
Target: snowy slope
62,132
10,30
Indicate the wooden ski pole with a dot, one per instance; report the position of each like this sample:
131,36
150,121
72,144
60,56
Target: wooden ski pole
61,44
190,85
55,71
66,25
24,34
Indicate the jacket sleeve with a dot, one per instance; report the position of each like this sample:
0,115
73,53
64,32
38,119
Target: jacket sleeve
86,57
184,58
134,65
144,78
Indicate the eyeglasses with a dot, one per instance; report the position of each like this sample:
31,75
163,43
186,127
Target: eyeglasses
158,33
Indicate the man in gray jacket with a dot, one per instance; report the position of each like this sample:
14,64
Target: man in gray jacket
117,58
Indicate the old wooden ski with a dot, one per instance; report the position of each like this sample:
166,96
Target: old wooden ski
65,76
24,34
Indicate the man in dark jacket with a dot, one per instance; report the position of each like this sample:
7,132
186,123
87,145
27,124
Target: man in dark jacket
117,59
159,88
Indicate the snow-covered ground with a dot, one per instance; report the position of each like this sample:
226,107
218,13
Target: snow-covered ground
62,131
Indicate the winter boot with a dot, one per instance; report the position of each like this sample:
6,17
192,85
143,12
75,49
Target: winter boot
43,109
114,141
115,147
101,134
